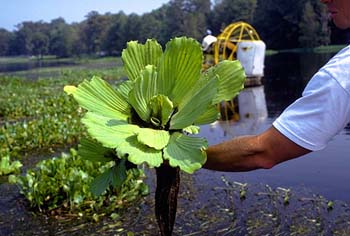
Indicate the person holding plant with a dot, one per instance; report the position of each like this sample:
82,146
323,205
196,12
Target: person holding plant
306,125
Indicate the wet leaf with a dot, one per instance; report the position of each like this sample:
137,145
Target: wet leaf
161,108
231,77
94,151
139,153
194,104
111,133
114,176
157,139
144,89
186,152
98,96
179,68
137,56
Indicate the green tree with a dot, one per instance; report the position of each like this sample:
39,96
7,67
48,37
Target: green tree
308,27
115,39
151,27
5,37
226,12
79,46
133,27
277,22
174,19
187,17
21,43
285,24
40,44
159,30
324,32
62,37
94,31
195,23
28,36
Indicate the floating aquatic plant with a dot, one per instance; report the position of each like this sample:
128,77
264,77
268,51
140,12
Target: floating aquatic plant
151,117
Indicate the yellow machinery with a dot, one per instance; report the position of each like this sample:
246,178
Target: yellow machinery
225,48
226,44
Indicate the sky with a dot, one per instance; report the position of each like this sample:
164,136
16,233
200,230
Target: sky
13,12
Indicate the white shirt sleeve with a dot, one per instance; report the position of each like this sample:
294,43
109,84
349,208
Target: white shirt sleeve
321,112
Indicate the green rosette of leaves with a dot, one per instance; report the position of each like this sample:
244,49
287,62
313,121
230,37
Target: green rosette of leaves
153,116
150,117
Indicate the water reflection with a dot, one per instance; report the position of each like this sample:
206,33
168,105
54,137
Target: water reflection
252,112
286,75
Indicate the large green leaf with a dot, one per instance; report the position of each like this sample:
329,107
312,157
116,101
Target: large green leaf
144,89
124,89
101,182
161,109
137,56
211,115
114,176
119,173
231,77
98,96
194,104
109,132
94,151
139,153
180,67
186,152
153,138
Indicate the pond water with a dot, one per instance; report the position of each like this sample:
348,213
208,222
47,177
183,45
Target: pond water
31,64
324,172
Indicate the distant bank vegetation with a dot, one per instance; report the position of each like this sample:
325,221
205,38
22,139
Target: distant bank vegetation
281,24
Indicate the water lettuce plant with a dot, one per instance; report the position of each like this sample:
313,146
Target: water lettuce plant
7,166
152,117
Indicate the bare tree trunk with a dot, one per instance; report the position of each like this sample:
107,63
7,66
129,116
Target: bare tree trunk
168,182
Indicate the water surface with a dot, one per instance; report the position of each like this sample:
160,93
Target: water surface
8,67
324,172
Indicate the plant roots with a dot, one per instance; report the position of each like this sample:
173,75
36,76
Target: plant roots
168,182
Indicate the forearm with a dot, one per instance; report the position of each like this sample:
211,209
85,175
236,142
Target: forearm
239,154
252,152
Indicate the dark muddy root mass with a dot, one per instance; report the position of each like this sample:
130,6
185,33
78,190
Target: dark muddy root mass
168,182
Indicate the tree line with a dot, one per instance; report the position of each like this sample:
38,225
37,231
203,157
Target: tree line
281,24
